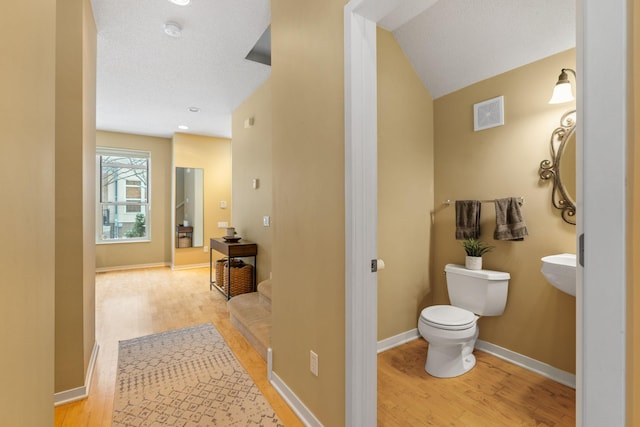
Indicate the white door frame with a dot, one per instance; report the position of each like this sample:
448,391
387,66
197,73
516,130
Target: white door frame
602,127
360,219
601,349
361,203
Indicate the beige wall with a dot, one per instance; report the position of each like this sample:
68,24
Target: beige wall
158,250
539,321
251,154
214,156
27,174
75,193
308,202
405,189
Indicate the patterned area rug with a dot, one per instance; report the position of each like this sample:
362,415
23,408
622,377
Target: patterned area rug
187,377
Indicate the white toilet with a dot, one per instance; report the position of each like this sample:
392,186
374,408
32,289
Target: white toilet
451,330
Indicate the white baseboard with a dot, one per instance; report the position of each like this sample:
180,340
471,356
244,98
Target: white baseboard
79,393
189,266
523,361
132,267
296,405
396,340
305,415
526,362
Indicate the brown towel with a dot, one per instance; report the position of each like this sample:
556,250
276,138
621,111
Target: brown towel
467,219
509,222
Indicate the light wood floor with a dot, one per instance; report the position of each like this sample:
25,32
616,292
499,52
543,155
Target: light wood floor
493,393
141,302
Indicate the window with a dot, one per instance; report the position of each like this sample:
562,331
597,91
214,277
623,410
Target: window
123,195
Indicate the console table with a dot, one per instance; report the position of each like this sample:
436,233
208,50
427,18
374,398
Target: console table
184,236
231,250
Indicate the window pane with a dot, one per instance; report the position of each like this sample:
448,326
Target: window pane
123,222
115,178
123,195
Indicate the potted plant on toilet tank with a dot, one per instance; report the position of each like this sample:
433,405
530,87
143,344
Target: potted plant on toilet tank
474,249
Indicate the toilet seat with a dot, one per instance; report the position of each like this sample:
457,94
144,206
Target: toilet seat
448,317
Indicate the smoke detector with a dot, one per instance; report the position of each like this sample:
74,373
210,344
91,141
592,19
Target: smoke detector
172,29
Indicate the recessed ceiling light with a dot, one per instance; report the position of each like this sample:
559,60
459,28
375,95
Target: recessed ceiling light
180,2
172,29
193,109
183,127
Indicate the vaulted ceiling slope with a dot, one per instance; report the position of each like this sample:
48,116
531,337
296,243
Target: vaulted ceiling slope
148,80
455,43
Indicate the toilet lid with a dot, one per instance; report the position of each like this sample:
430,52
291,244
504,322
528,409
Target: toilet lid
448,317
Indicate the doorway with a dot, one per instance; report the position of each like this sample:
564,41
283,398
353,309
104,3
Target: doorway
600,53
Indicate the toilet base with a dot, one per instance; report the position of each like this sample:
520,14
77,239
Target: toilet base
450,351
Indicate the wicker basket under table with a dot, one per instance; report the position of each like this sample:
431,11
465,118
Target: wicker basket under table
241,276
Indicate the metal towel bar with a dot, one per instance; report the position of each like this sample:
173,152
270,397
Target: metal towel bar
520,199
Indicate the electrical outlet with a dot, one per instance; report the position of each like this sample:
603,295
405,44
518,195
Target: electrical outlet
205,248
313,362
266,221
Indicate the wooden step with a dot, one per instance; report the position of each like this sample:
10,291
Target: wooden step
264,289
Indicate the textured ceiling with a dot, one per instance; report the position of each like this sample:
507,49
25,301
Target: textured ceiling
147,80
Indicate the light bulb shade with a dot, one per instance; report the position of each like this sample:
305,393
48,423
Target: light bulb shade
562,93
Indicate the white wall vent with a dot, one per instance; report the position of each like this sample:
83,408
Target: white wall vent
488,114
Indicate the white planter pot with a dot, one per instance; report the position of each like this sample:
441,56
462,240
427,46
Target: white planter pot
473,262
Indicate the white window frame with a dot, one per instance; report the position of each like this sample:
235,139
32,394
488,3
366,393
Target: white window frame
100,204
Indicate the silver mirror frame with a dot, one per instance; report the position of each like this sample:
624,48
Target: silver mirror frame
550,169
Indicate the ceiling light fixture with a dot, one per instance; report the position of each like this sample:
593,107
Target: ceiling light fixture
562,91
193,109
180,2
183,127
172,29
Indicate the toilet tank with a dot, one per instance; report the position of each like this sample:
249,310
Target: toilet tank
483,292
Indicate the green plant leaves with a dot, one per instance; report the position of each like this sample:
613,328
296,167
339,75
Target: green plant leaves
475,247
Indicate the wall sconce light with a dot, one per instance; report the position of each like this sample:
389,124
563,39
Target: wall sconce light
562,91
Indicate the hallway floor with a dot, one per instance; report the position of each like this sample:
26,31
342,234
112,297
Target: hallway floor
141,302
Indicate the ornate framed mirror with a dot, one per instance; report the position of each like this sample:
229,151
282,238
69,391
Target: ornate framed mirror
561,169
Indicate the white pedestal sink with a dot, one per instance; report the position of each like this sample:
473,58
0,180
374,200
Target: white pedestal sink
560,271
